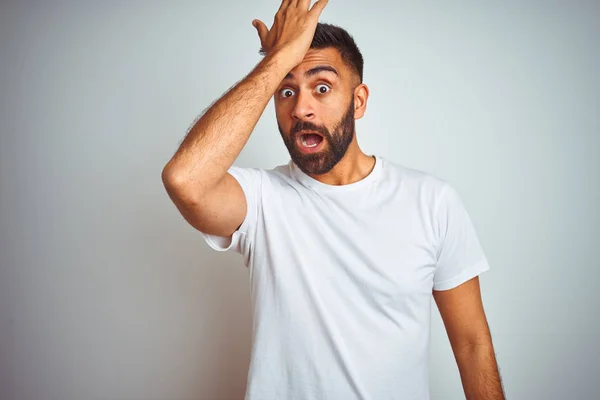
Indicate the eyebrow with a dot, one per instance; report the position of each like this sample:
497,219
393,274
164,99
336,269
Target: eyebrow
314,71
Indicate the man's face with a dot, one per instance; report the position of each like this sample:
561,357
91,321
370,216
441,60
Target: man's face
317,98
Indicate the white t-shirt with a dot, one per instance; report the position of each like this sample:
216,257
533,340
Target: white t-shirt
341,279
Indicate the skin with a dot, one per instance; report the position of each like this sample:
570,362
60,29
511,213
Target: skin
461,309
212,201
300,104
329,103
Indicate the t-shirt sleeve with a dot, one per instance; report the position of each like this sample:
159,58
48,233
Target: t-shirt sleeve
460,255
250,180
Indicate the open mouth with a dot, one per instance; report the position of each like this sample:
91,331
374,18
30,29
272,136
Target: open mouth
310,141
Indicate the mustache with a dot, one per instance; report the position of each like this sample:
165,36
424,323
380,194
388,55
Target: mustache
308,126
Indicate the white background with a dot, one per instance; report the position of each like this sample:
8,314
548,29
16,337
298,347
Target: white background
107,293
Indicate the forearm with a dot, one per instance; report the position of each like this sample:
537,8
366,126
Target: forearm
479,372
215,141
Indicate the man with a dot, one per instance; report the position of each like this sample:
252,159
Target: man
344,249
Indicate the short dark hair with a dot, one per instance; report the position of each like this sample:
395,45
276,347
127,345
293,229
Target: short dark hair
327,35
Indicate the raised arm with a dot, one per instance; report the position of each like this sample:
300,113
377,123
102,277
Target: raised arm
196,177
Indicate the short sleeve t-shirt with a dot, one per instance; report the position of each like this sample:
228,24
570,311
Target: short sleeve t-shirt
341,279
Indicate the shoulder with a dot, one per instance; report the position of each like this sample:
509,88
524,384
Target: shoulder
266,178
421,183
274,172
432,192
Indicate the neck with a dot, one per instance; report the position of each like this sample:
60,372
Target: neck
353,167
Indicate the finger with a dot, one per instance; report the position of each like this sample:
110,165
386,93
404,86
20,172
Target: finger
304,4
284,4
318,7
262,29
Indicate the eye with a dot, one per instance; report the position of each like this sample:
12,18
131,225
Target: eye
285,93
322,89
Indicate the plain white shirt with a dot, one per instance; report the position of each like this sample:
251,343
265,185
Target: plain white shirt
341,279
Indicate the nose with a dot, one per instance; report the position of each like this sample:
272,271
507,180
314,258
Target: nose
303,109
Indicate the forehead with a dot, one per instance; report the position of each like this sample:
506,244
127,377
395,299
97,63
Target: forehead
328,57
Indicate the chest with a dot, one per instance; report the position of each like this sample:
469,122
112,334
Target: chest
376,249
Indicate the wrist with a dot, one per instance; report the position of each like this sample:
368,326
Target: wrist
281,59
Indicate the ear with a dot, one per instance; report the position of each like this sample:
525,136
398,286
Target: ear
361,95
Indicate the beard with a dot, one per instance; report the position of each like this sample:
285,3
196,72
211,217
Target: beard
337,143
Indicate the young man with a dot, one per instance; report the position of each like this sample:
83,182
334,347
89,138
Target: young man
344,249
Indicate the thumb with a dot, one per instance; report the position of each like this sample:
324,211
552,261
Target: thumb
262,30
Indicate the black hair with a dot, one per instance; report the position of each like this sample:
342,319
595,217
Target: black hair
327,35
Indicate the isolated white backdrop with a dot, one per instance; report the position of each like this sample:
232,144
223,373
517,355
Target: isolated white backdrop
107,293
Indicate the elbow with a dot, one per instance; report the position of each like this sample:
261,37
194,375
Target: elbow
175,175
171,178
180,188
175,182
